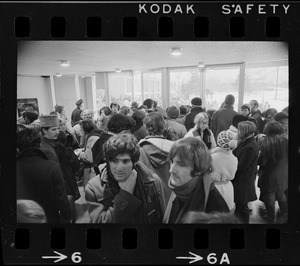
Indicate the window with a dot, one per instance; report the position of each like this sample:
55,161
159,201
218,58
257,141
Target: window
184,85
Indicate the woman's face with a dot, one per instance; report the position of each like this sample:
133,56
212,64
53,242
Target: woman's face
121,167
180,172
202,123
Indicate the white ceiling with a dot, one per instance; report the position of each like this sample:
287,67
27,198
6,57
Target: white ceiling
42,58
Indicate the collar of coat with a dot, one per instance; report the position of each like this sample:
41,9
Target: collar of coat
143,172
49,141
30,152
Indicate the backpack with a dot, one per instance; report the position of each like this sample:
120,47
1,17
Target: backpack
98,152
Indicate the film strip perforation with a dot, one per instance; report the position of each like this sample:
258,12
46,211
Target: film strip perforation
238,27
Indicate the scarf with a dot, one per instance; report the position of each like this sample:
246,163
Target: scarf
112,188
206,136
185,191
189,197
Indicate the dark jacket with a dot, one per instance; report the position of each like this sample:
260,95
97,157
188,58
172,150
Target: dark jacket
69,165
273,174
75,116
260,123
139,132
40,180
204,198
48,147
244,180
189,119
145,205
222,119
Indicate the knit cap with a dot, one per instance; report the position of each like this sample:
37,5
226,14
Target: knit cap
226,140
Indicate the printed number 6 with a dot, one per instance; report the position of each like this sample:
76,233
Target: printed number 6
76,257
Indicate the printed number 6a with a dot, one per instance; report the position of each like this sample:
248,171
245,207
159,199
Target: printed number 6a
76,258
211,258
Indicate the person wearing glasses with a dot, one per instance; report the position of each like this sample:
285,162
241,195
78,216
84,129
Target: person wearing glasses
201,130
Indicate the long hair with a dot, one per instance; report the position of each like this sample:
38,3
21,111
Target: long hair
275,144
194,152
246,129
155,124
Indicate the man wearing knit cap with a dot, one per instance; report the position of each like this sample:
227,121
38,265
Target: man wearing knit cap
50,129
75,117
196,109
222,118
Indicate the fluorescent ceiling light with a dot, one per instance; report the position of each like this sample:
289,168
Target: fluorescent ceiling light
175,51
64,63
201,65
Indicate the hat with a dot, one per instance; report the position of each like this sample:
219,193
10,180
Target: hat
79,102
196,101
246,106
49,121
226,140
229,99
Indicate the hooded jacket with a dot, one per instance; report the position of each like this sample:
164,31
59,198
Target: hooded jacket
154,154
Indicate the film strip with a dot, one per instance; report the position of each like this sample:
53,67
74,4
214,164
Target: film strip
201,21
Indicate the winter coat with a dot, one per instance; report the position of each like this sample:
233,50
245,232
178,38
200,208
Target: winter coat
260,123
178,128
139,132
145,205
222,119
210,143
75,116
154,154
244,180
48,147
224,169
189,119
69,165
204,198
40,180
273,174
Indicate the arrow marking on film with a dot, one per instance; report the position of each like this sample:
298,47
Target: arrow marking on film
193,259
59,257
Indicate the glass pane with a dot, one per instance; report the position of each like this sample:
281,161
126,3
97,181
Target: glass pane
221,81
184,85
267,85
137,85
152,86
120,88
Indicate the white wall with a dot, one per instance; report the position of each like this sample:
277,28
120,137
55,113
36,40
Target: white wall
36,87
65,92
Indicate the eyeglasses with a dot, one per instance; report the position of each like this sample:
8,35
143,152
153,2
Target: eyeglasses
203,122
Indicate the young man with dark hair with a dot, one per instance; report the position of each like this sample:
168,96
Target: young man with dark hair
193,187
126,191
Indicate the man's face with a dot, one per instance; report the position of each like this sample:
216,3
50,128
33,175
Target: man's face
51,133
121,167
180,172
253,106
245,112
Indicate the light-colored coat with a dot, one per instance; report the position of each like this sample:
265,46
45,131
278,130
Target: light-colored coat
224,168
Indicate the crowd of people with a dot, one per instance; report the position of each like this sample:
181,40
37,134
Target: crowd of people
144,164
